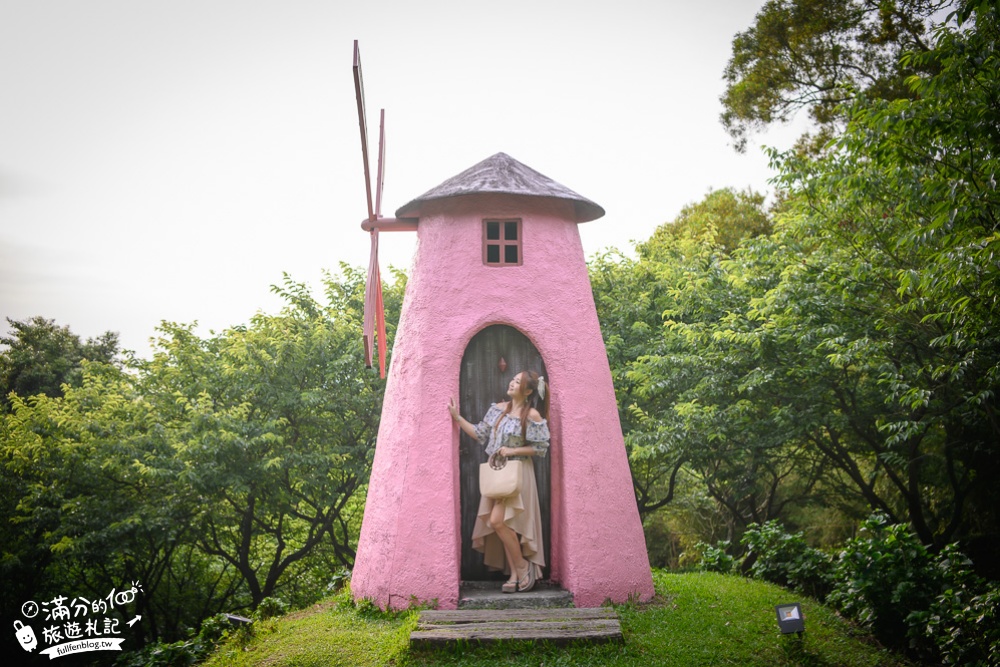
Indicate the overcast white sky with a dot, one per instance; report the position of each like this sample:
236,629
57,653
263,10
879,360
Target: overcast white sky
169,159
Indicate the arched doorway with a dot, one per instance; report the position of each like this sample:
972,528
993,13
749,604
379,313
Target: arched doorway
482,383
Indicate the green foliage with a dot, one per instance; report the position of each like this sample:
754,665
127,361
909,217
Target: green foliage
929,605
683,374
964,627
630,298
902,218
214,630
269,608
715,558
96,504
276,425
220,473
885,575
39,357
784,559
725,218
818,54
849,359
773,555
337,580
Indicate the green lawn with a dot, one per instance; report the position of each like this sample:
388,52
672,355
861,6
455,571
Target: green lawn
696,619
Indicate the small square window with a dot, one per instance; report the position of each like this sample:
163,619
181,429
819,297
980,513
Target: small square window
505,251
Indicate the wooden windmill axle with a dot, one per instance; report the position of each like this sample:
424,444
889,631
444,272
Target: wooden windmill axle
390,224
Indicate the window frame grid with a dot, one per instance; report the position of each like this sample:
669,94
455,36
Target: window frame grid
502,243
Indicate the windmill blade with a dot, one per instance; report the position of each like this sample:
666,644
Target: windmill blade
373,282
381,162
359,91
380,324
374,311
374,308
379,305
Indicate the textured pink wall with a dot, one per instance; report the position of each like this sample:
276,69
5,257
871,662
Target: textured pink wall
410,546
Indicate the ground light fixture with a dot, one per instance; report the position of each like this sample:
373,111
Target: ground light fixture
790,618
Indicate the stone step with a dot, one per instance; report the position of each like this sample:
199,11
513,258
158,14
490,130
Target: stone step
555,625
487,595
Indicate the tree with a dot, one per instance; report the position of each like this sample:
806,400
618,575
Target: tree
219,472
40,359
695,382
850,356
677,384
275,430
630,299
93,505
818,54
41,356
889,293
727,216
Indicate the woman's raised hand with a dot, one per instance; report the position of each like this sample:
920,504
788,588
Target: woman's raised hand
453,409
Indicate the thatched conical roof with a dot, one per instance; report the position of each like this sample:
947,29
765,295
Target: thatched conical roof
502,174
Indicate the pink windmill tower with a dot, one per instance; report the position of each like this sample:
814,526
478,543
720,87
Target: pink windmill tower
498,284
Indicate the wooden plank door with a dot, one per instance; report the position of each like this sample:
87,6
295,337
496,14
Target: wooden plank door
483,382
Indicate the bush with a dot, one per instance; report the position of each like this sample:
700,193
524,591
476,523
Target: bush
715,558
882,576
186,652
963,623
930,605
890,582
784,559
269,608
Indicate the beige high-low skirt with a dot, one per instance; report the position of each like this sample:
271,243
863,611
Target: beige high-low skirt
523,514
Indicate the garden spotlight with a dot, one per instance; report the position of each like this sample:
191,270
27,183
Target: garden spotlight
790,618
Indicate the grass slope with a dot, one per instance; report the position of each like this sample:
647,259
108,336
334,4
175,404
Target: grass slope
696,619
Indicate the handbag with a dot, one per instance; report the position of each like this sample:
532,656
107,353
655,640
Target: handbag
499,478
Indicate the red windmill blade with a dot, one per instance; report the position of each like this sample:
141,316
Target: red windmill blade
374,313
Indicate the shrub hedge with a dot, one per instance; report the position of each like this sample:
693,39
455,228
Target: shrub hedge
930,605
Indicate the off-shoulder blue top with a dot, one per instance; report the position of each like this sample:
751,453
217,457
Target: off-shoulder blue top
508,433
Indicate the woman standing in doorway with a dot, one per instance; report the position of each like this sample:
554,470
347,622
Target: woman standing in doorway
508,531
